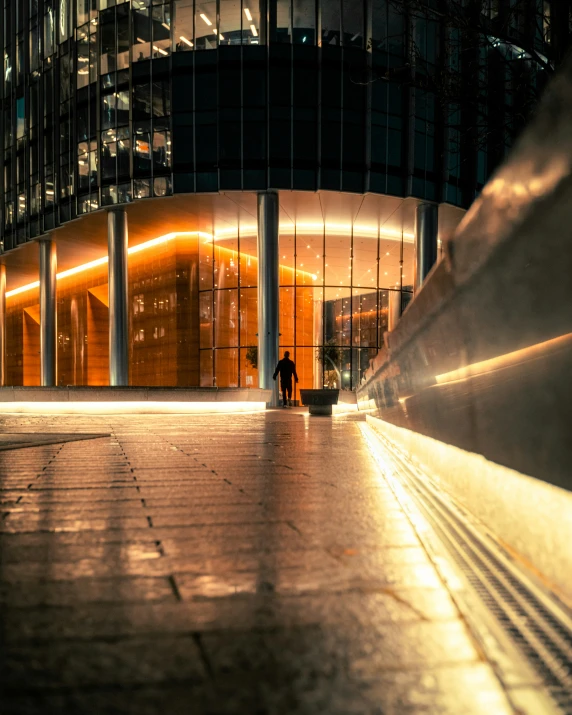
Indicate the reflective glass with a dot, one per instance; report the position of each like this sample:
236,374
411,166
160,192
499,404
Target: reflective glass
183,34
82,48
250,23
161,30
230,22
249,319
304,22
205,25
331,21
141,30
226,318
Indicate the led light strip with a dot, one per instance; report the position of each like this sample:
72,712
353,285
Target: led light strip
304,228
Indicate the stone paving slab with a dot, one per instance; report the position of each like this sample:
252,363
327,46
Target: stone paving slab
255,564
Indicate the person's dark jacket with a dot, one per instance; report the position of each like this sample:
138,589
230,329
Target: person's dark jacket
286,368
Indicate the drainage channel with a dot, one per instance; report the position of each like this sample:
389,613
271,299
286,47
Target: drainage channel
525,623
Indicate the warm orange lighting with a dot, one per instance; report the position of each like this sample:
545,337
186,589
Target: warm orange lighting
508,360
128,407
221,234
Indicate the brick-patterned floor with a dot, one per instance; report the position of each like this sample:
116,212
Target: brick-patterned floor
220,564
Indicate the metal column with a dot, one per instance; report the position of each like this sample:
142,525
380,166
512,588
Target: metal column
118,319
2,325
268,301
425,241
393,309
48,315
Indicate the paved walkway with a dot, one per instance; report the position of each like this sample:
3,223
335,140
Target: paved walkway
221,564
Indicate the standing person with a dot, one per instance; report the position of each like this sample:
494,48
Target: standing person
286,368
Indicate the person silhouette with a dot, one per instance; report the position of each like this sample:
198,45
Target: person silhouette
286,368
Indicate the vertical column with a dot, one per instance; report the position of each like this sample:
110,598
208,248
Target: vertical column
48,304
268,301
393,309
2,325
118,320
425,241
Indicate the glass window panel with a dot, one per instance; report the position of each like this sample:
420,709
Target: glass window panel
123,149
389,262
83,166
162,186
161,31
141,189
338,258
226,263
34,48
248,259
206,368
230,24
364,261
109,161
141,101
408,263
206,319
353,22
64,20
142,153
251,23
205,26
364,318
161,98
331,21
249,319
183,35
286,250
49,32
309,302
249,367
205,265
93,55
7,73
226,318
108,104
122,107
161,150
82,47
82,118
337,316
122,39
86,10
304,22
309,258
226,368
141,30
383,315
308,369
287,313
20,117
65,76
108,50
281,33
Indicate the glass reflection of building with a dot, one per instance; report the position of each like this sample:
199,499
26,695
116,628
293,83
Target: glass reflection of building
192,109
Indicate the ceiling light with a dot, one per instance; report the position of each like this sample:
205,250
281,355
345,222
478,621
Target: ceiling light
187,42
205,19
248,15
253,30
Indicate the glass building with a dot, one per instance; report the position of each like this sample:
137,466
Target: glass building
168,121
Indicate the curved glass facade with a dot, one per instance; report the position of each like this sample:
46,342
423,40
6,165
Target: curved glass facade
332,103
108,102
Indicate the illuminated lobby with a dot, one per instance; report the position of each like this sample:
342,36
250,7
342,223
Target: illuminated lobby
191,291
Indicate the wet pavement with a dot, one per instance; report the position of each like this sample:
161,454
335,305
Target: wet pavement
220,564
